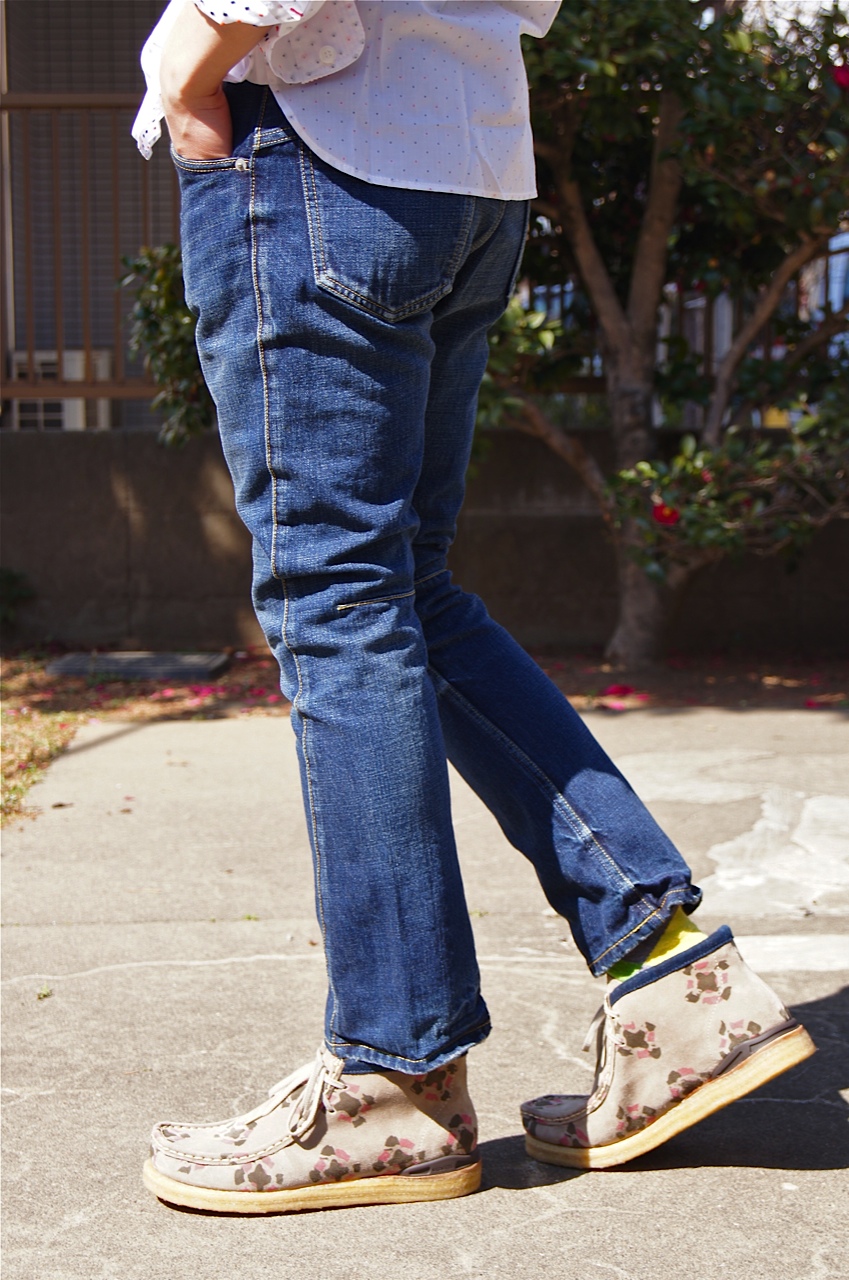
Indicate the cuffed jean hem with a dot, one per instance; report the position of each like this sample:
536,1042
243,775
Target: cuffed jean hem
361,1059
687,896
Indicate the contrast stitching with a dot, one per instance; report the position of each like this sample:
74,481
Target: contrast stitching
274,528
419,582
379,309
399,1057
266,406
361,604
580,828
204,166
326,280
271,137
671,893
311,206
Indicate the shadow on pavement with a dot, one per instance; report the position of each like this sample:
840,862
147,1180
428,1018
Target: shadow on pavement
797,1121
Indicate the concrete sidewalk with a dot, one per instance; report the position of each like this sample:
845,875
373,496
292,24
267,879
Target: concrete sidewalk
163,897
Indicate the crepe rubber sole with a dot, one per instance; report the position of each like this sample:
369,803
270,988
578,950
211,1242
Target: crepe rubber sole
776,1057
382,1189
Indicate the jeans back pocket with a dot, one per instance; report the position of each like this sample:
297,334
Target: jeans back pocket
391,251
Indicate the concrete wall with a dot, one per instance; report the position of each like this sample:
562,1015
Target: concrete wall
133,545
126,543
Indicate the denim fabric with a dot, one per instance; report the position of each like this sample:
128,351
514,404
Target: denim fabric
342,328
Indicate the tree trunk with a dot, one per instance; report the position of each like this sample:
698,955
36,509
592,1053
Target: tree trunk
636,640
630,413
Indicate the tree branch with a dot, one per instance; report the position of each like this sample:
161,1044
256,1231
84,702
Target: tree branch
549,152
837,322
611,314
791,365
649,272
594,273
534,422
767,304
547,210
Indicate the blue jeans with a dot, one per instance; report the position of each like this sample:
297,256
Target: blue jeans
342,328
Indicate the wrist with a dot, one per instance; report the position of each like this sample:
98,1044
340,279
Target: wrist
182,85
198,54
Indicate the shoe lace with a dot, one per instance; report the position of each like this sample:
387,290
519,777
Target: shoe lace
593,1036
311,1080
601,1034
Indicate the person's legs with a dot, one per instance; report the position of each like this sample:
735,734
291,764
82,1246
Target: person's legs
321,392
343,331
689,1028
314,333
602,860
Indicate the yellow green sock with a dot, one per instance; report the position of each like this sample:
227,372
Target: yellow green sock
679,935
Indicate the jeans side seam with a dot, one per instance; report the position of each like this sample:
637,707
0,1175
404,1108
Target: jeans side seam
478,244
263,367
463,248
273,555
579,827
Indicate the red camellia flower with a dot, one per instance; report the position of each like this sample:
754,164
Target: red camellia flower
664,514
840,76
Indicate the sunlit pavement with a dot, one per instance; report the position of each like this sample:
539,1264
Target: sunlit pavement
162,960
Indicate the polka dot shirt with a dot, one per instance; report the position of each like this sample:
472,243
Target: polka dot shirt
428,94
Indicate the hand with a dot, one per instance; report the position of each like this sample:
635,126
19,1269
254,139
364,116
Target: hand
200,127
197,55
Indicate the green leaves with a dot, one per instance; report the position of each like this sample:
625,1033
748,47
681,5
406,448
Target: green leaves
163,329
755,493
763,144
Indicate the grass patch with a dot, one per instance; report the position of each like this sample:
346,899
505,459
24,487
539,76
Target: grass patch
31,738
42,713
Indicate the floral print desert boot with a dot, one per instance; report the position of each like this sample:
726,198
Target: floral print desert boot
674,1043
324,1139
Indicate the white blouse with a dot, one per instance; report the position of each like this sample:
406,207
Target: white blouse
427,94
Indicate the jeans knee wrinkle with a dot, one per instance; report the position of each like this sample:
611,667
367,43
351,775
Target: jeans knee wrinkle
419,582
362,604
587,837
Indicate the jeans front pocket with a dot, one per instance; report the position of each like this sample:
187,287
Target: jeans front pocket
215,197
389,251
221,164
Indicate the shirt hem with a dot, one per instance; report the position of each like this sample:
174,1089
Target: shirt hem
384,180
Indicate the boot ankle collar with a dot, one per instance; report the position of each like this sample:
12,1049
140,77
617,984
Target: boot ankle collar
645,977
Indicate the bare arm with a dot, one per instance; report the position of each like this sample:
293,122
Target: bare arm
197,55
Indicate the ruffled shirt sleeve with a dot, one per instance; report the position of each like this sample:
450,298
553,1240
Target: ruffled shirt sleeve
307,41
258,13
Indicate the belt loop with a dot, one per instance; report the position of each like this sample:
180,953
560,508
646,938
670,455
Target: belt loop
258,130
